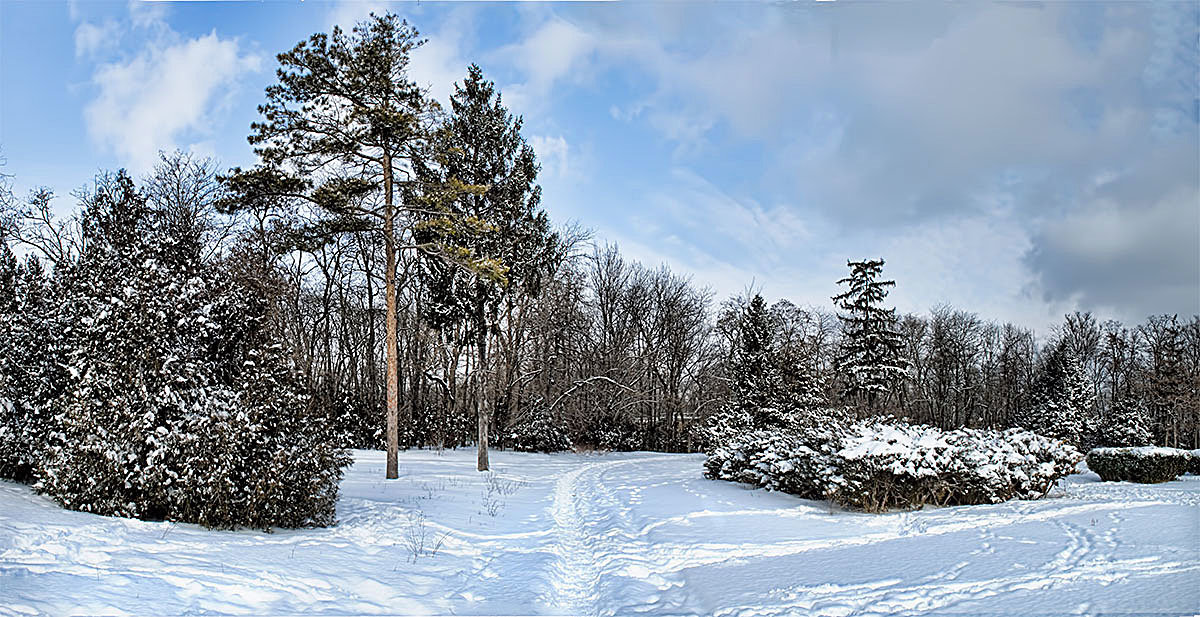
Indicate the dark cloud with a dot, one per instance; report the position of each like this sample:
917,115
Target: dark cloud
1080,120
1131,246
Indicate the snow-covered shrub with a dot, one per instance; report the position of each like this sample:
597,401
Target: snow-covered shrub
176,404
1194,463
29,372
894,465
1145,465
778,460
538,432
882,465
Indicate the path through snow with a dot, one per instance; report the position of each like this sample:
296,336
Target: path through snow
616,534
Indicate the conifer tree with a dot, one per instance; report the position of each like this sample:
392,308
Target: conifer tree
770,387
1062,397
176,403
871,359
340,132
1125,425
757,380
498,241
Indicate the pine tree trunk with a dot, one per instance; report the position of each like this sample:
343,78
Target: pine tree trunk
481,390
393,386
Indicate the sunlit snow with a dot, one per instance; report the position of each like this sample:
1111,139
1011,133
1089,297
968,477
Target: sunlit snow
615,534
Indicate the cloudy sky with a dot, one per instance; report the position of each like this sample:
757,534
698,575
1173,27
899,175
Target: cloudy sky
1016,160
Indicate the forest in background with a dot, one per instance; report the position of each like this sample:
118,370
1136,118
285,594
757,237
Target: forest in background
374,216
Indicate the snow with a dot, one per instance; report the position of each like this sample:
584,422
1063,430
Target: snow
1141,451
615,534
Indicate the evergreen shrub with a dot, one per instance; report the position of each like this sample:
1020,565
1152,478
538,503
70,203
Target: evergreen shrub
538,432
1144,465
877,465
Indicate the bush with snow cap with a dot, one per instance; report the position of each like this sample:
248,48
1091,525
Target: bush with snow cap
893,465
882,465
1144,465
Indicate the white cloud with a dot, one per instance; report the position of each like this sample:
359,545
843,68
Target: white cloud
556,50
441,61
91,39
895,130
742,226
725,242
147,102
553,153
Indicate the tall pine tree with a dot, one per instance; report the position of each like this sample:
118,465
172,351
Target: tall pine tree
499,240
340,133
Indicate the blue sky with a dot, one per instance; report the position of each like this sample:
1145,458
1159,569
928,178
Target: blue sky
1016,160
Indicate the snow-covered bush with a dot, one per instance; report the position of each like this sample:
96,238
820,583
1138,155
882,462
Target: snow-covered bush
893,465
882,465
1145,465
780,460
176,405
29,372
1194,463
538,432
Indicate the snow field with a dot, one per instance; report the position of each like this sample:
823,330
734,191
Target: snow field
616,534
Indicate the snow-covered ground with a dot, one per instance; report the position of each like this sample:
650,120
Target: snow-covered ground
616,534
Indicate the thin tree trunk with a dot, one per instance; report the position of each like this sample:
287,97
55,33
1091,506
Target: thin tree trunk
481,390
393,386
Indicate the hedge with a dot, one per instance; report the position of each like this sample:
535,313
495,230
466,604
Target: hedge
1144,465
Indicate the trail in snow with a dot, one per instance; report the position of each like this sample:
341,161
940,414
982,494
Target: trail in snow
574,573
617,534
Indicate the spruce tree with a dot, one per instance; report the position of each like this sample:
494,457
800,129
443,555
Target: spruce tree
1125,425
1062,397
488,243
871,360
757,380
771,387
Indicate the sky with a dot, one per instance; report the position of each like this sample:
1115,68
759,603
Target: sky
1018,160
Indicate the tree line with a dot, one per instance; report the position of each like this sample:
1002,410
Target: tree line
400,266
